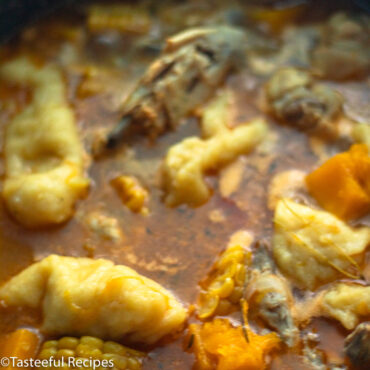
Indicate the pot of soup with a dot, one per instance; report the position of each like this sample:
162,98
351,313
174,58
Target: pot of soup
185,185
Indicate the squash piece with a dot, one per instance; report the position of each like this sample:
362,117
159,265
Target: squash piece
219,345
342,184
22,344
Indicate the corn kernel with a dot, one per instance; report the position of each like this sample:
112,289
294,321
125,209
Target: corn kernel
240,274
92,342
83,350
121,362
47,353
90,347
207,304
236,295
112,347
133,364
65,353
109,357
50,344
224,307
223,288
68,343
131,192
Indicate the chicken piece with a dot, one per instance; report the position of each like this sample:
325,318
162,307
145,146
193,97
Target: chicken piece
348,303
311,355
132,193
193,64
43,155
314,357
357,346
295,99
82,296
187,162
286,184
296,48
344,50
314,247
270,297
223,288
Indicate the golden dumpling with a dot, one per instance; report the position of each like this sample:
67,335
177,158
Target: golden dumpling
82,296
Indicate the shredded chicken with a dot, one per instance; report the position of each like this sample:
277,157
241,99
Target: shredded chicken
270,297
344,50
194,63
357,345
295,99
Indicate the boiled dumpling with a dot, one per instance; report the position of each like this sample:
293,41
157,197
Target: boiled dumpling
82,296
315,247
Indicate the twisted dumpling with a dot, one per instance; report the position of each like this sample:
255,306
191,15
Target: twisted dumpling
82,296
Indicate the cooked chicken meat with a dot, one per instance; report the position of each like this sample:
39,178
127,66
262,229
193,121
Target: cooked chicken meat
295,99
357,345
193,64
270,297
344,51
311,355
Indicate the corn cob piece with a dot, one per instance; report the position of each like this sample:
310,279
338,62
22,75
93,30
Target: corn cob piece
222,290
132,193
121,18
123,358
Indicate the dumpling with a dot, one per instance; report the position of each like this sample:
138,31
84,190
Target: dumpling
43,155
314,247
186,162
347,303
82,296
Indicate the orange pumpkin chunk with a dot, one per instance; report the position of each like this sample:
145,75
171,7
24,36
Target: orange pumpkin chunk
219,345
22,344
342,184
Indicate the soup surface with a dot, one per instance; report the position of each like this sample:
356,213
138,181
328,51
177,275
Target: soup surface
102,51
